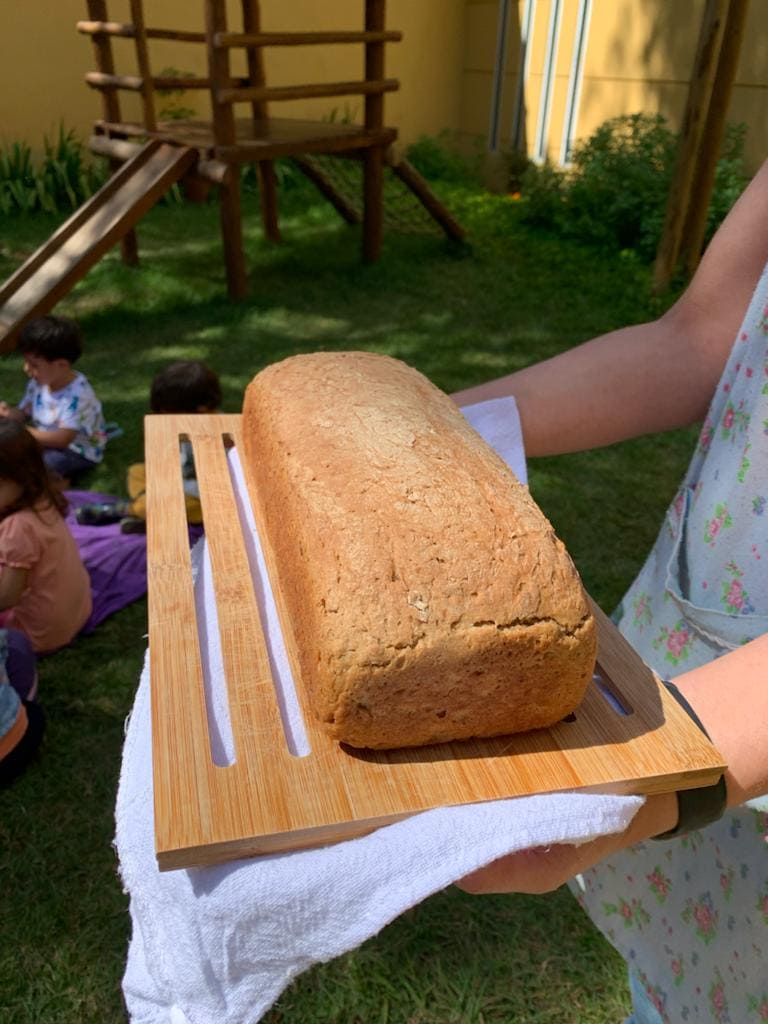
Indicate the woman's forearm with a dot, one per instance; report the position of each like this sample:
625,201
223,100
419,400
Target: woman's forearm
730,696
622,384
647,377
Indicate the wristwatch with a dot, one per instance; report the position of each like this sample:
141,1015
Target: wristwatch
696,807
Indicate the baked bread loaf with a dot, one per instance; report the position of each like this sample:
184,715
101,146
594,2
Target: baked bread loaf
429,597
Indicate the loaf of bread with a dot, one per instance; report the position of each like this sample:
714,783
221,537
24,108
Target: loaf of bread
428,596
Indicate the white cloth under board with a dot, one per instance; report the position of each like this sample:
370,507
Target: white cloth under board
220,944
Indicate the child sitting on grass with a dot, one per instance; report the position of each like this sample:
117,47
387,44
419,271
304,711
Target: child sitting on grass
45,590
59,406
186,386
22,722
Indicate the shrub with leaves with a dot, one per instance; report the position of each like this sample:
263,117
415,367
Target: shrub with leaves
57,182
621,176
173,108
438,158
614,194
730,178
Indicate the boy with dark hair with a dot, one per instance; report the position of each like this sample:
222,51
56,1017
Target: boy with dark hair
59,406
186,386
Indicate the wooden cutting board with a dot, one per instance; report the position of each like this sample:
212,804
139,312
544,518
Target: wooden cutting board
269,800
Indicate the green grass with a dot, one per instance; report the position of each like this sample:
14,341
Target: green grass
461,317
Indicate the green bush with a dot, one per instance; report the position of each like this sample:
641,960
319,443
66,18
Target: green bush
620,182
437,158
58,182
614,194
730,178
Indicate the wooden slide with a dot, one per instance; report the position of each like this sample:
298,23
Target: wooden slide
89,233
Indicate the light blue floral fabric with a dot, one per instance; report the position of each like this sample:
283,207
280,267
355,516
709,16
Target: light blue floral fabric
690,915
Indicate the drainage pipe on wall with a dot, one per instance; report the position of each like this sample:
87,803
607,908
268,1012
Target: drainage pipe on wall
499,68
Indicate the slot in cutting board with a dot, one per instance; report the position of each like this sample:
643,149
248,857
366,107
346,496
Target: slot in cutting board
271,801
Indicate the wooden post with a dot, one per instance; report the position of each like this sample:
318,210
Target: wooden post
699,97
373,160
142,61
224,135
412,180
102,50
692,240
265,168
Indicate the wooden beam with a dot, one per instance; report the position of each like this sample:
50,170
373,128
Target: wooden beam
127,31
110,101
142,61
102,80
102,51
186,82
694,229
106,28
300,92
134,83
248,150
699,96
115,149
215,171
253,55
230,212
373,203
233,39
374,66
325,186
411,178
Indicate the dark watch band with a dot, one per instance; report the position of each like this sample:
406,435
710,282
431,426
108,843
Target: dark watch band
696,807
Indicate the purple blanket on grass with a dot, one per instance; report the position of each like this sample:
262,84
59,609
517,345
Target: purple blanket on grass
116,562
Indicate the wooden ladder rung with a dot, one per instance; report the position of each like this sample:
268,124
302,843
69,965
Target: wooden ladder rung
107,28
227,40
127,31
298,92
100,80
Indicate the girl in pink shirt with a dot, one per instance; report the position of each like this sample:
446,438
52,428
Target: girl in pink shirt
45,590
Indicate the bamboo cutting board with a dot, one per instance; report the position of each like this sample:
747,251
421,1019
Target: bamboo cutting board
269,800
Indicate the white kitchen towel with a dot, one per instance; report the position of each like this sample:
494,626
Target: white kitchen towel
221,943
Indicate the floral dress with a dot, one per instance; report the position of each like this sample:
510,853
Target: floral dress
690,915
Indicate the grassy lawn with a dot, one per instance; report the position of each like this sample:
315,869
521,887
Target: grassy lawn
461,318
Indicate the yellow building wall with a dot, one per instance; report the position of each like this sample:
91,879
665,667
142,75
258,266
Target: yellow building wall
638,57
44,60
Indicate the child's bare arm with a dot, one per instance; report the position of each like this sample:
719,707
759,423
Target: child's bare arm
12,412
13,583
62,437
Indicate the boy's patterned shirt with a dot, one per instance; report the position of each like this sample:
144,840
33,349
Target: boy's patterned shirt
74,407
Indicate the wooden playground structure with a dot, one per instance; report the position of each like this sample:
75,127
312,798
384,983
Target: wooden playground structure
151,155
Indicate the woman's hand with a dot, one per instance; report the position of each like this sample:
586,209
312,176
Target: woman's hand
544,869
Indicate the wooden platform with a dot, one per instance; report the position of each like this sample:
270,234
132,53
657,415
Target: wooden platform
270,800
257,139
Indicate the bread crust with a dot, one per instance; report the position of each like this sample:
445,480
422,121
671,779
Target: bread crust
429,597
